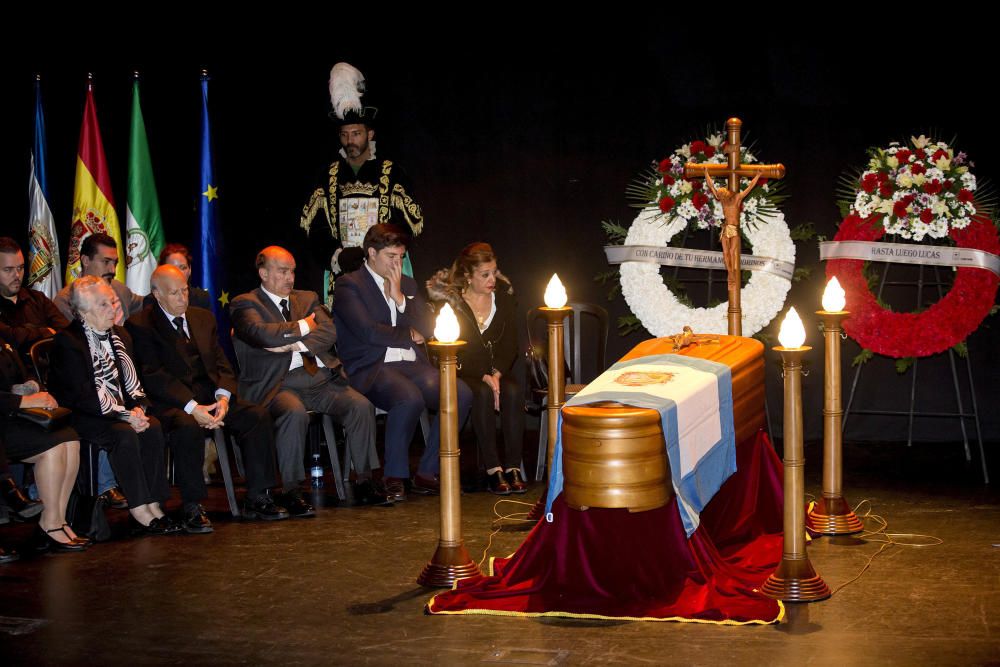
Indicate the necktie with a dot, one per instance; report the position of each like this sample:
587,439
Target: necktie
308,362
179,323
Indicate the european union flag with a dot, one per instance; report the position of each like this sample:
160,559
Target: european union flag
211,258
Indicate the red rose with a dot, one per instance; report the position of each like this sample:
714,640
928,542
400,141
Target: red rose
665,165
965,195
885,189
903,156
668,179
696,185
699,199
926,216
709,151
938,154
869,183
921,154
666,204
908,199
918,168
697,147
882,176
932,187
898,209
762,181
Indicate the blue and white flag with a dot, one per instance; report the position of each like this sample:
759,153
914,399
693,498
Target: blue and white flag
44,267
695,400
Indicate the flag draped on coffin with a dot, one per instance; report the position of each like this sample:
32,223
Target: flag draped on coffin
210,267
144,226
93,203
44,267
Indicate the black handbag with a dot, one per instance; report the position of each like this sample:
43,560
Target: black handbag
50,419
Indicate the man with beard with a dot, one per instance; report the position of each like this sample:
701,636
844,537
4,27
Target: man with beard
26,315
99,257
357,191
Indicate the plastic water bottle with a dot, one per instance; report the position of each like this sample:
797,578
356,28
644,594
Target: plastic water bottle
316,472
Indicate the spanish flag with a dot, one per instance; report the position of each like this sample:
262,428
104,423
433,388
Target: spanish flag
93,203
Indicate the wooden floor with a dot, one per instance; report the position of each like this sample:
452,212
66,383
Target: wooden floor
340,589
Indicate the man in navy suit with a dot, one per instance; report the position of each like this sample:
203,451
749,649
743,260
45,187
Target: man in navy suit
382,322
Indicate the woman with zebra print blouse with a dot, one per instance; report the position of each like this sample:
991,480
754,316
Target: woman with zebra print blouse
93,374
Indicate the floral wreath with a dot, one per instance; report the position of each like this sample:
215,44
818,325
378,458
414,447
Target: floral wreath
679,203
942,326
926,192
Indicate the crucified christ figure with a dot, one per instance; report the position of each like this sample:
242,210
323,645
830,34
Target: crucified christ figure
731,204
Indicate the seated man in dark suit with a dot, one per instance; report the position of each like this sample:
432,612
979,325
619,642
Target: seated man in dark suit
284,340
192,386
382,322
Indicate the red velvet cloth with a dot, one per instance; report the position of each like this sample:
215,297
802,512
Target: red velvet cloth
611,563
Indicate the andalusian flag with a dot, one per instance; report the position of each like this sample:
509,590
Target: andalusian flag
93,204
144,227
44,269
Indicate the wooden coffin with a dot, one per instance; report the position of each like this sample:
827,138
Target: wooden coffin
613,454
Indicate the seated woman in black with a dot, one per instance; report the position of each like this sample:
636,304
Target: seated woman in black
484,304
55,454
93,374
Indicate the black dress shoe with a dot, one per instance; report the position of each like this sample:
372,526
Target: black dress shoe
195,520
161,525
426,485
366,492
395,490
263,507
296,505
8,555
45,542
22,506
114,498
515,481
498,483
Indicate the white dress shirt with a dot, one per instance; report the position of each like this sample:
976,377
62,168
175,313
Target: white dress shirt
393,353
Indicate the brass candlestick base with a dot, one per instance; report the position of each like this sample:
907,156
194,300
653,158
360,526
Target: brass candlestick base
448,565
832,515
794,580
450,561
557,393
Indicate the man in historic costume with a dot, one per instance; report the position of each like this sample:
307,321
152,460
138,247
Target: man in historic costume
357,190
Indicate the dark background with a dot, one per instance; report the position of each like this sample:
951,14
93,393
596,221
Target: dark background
525,141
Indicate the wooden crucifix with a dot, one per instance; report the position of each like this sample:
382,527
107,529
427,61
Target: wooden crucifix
732,201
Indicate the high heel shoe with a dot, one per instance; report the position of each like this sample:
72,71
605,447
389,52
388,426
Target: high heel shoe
45,542
23,506
84,540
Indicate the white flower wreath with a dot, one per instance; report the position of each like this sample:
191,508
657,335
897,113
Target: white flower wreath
658,308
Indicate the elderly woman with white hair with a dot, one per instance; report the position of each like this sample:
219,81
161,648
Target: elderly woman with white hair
92,373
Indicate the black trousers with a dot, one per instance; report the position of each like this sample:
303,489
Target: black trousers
137,458
254,433
511,421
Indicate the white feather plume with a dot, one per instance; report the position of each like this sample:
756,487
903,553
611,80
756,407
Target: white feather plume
347,84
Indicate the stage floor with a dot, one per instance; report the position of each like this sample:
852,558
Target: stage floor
339,589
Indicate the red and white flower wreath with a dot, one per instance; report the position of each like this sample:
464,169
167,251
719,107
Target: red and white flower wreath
940,327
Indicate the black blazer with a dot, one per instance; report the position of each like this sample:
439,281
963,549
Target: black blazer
71,374
166,375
